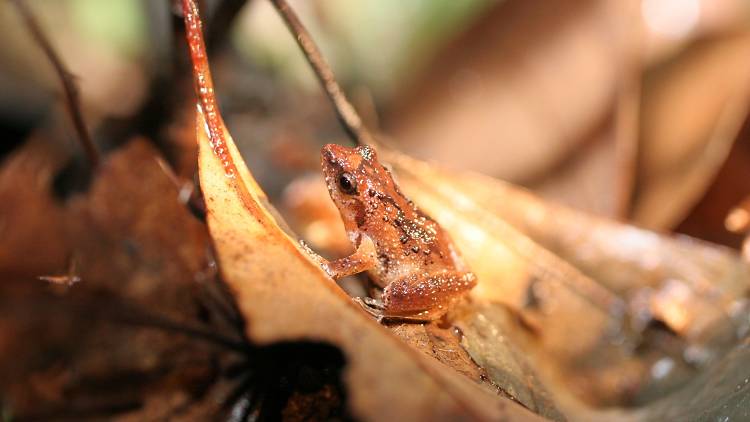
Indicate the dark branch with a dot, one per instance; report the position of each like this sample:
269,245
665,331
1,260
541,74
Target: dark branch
347,114
66,78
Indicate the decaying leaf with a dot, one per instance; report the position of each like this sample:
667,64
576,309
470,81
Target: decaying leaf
105,345
32,167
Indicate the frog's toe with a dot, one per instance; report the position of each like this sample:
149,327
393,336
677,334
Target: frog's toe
374,303
371,306
376,308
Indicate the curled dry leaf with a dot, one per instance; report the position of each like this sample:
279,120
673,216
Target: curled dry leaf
548,292
285,296
580,299
587,289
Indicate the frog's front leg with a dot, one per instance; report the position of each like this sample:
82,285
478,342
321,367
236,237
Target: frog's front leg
426,298
361,260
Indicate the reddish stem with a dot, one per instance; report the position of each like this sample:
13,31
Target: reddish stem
204,86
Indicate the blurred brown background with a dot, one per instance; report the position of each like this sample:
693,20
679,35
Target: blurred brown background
636,110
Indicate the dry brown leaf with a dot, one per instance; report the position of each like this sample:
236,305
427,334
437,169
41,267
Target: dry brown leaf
584,292
532,93
693,109
581,282
27,206
549,97
577,295
285,296
571,293
75,351
506,87
548,292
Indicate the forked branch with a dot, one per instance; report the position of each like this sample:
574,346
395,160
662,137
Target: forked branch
348,116
66,78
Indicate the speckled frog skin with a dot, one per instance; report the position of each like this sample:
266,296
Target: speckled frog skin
403,250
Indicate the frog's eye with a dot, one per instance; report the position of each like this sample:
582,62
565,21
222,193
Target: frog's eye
347,183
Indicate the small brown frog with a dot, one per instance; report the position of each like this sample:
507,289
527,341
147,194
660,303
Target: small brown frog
403,250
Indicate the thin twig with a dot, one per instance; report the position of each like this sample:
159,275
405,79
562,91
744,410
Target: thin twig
204,84
66,78
348,116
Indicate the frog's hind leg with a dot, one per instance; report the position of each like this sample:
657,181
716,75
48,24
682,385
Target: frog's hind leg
425,298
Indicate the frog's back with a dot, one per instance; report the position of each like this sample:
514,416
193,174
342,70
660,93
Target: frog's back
409,242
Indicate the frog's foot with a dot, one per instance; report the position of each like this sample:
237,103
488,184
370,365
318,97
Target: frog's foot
377,309
372,303
371,306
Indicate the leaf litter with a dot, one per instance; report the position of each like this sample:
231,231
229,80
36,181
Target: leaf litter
573,313
585,362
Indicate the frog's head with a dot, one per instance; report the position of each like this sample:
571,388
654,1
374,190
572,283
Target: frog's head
354,178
